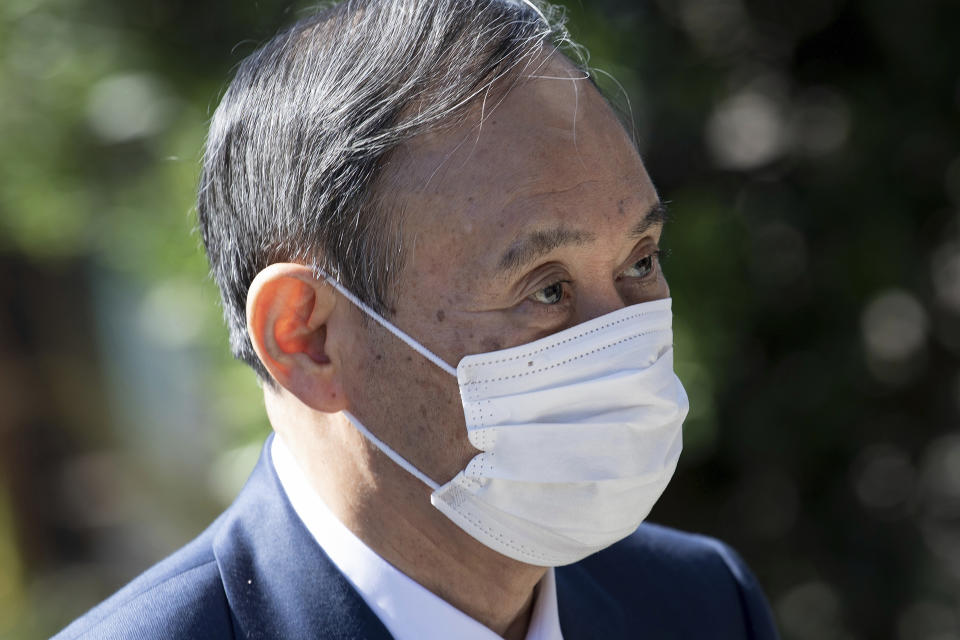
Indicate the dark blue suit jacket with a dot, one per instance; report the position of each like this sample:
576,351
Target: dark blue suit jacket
256,572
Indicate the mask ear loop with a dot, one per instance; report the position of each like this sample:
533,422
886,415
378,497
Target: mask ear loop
413,344
390,453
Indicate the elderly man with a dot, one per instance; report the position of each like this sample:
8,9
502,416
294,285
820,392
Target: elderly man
437,247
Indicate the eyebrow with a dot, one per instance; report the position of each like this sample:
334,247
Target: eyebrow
537,244
656,215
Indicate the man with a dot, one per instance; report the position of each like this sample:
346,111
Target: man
437,246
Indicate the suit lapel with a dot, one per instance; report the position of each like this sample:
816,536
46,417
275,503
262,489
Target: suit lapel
281,585
586,610
278,581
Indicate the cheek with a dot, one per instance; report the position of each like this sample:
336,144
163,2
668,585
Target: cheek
490,343
497,331
412,405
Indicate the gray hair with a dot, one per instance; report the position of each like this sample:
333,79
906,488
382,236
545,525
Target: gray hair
305,128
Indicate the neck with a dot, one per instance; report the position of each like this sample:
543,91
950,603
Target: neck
390,512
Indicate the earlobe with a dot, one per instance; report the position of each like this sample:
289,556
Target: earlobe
288,309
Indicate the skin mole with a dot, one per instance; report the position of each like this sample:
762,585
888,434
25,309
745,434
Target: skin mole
491,344
440,315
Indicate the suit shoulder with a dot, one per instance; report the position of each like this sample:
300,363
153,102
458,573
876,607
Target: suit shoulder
684,575
180,597
679,548
677,558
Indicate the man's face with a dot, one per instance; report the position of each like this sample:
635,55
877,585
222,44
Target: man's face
540,219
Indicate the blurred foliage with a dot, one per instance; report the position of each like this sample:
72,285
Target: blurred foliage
811,155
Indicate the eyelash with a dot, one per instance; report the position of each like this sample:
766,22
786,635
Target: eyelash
654,257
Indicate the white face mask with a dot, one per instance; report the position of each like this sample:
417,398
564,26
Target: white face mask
579,434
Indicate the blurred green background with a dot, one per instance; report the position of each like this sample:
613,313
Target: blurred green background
811,153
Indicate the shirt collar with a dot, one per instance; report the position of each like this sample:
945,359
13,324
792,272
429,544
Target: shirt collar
408,610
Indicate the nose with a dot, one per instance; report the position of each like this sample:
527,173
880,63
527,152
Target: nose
601,300
598,302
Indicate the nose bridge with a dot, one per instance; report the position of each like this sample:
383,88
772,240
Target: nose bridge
599,300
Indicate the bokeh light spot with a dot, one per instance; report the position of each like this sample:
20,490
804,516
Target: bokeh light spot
894,326
746,131
941,469
945,273
172,314
883,477
928,621
811,611
125,107
821,121
718,27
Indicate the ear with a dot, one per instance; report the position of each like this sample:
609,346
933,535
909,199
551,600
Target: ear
288,309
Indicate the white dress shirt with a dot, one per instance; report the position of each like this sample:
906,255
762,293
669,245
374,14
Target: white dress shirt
406,609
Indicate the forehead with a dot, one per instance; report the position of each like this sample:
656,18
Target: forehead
551,152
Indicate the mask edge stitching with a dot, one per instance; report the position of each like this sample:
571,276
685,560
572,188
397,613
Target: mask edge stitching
562,362
564,341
